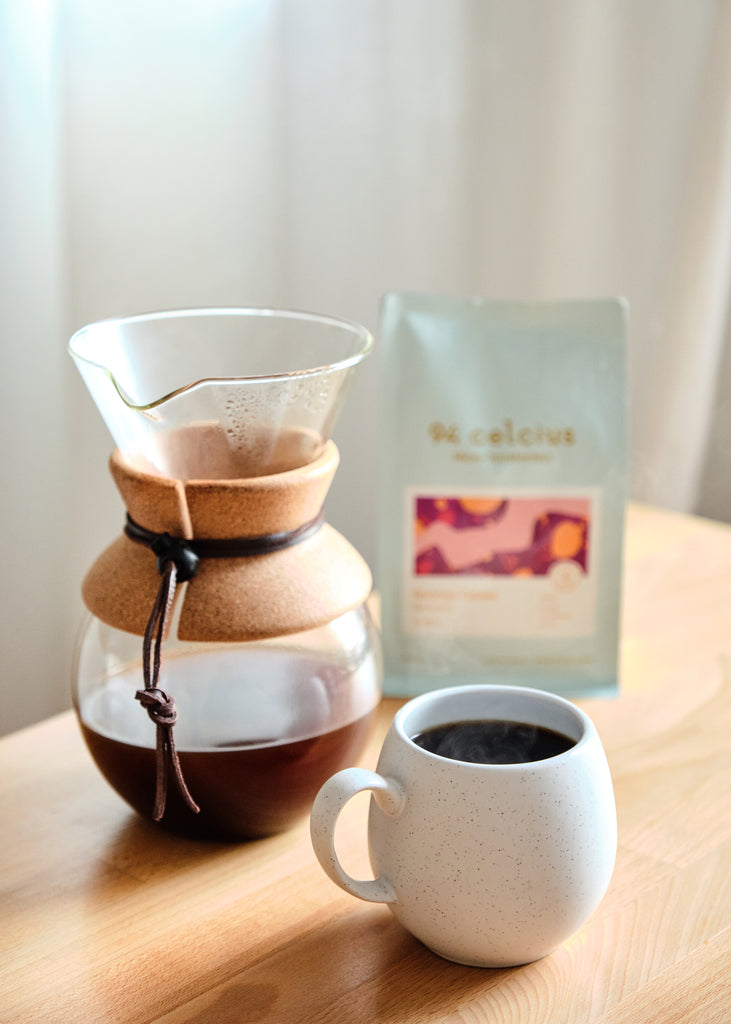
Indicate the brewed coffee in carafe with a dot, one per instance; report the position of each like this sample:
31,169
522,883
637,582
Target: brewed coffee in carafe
228,610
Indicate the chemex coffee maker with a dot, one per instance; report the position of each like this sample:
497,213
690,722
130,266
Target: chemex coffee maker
229,664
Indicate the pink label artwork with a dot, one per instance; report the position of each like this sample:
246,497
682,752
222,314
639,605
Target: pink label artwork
494,536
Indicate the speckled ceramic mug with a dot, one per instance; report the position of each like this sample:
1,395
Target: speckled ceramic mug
488,865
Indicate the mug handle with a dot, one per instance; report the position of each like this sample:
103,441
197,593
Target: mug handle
326,809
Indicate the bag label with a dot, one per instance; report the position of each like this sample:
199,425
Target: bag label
485,563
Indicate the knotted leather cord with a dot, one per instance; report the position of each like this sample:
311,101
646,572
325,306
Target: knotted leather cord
177,561
159,706
230,547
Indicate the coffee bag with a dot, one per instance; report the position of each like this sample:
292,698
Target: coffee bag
504,461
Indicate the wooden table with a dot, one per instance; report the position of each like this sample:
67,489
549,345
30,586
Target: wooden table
104,918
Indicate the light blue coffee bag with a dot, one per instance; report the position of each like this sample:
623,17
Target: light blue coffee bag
503,493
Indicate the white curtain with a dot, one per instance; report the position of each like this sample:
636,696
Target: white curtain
316,154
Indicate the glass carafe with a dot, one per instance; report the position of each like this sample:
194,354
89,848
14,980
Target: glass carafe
227,608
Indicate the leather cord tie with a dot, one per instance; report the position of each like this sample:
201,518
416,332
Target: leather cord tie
187,553
178,560
159,706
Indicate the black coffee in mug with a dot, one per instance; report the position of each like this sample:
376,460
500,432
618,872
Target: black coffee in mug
493,741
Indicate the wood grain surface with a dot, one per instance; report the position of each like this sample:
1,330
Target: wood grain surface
104,918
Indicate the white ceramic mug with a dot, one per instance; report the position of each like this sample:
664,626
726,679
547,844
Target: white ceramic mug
488,865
